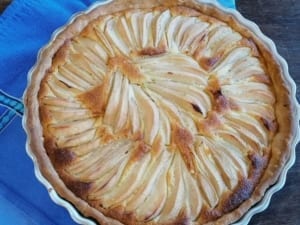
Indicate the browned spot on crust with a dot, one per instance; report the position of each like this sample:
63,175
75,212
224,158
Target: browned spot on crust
209,215
211,122
138,136
60,157
271,125
246,186
183,218
184,141
217,93
261,78
63,157
182,136
258,164
127,67
96,98
89,31
185,11
248,42
222,103
105,134
45,115
141,150
242,192
202,41
120,213
214,85
50,145
61,55
196,108
117,212
79,188
153,51
209,63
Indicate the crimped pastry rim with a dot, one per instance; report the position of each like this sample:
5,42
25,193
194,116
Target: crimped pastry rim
288,82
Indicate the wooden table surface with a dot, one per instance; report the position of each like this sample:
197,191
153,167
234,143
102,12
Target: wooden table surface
3,4
279,20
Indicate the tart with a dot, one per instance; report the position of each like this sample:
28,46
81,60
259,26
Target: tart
159,112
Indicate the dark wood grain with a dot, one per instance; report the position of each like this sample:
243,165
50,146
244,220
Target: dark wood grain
280,20
4,4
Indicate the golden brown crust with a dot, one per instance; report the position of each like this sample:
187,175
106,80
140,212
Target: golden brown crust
61,55
236,203
209,63
211,122
153,51
140,151
79,188
126,67
96,98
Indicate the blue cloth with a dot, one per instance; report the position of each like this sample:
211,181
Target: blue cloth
25,26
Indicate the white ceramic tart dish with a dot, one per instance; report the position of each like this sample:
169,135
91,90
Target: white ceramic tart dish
161,112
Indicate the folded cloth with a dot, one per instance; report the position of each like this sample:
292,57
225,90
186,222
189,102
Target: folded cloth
25,26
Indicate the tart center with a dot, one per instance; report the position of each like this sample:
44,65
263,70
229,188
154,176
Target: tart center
163,88
127,68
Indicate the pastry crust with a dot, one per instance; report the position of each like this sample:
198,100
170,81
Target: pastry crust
263,167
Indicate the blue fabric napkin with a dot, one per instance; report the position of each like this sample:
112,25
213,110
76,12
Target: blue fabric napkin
25,26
